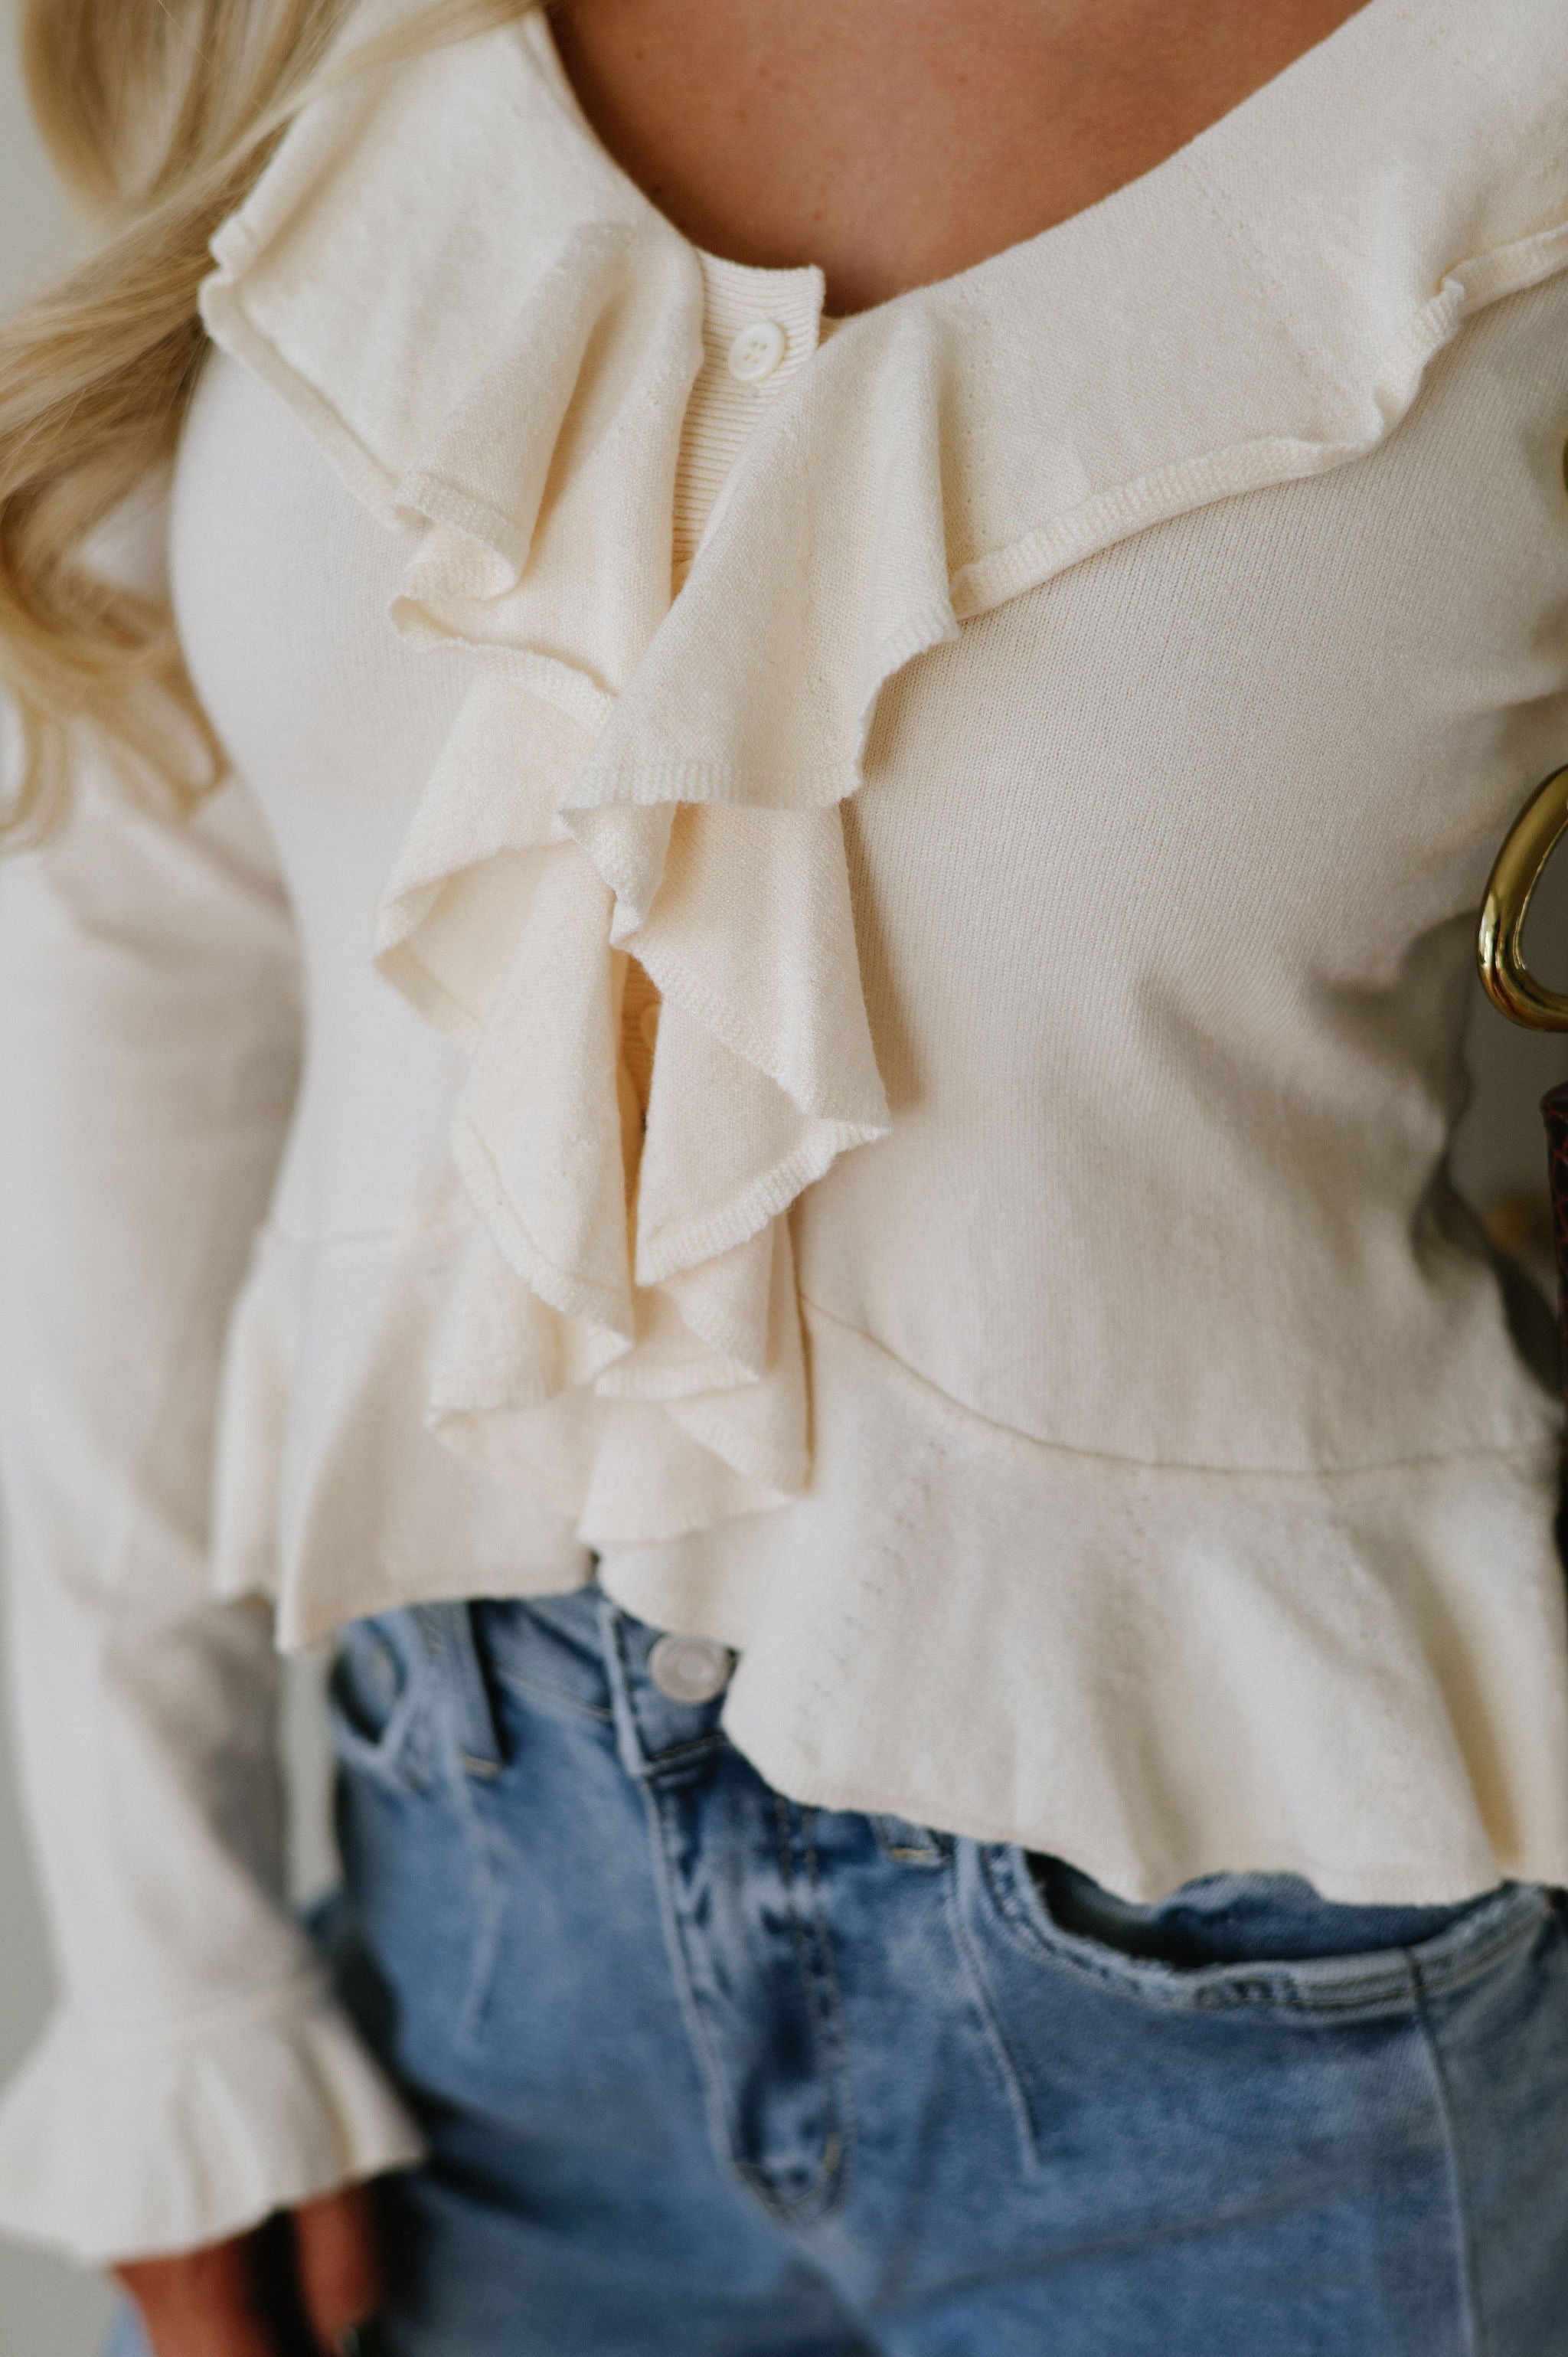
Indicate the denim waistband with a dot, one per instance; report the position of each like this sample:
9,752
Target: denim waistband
579,1651
580,1655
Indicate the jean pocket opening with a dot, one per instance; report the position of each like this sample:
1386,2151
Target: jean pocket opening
378,1703
1348,1974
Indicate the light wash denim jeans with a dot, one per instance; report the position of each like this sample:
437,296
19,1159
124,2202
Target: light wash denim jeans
709,2074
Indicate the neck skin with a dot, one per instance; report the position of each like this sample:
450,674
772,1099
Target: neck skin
894,141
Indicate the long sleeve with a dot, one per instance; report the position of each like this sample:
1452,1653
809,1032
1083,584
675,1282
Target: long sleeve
197,2073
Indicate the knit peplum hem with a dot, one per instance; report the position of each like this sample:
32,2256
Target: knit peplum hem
1149,1730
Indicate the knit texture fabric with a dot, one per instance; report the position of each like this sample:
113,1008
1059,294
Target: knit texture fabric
883,942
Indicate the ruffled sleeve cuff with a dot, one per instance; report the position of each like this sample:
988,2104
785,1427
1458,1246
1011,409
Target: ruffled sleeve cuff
116,2143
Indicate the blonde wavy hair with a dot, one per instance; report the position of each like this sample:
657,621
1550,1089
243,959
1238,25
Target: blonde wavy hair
161,113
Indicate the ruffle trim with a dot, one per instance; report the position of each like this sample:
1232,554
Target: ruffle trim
1149,1727
113,2147
622,1299
624,888
1169,1700
330,1492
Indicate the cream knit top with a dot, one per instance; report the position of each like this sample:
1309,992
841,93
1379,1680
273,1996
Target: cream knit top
882,936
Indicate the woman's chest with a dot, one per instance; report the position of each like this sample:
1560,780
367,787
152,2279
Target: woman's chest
1290,725
896,157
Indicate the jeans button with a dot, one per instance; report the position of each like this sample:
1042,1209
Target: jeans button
690,1669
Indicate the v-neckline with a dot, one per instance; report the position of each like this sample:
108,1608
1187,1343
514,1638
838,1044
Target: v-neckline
1280,87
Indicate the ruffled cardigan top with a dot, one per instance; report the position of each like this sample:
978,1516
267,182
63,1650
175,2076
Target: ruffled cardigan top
927,955
638,780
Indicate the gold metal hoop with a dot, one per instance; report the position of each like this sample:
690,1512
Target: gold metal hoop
1499,945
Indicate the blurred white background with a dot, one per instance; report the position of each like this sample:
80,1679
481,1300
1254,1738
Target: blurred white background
50,2309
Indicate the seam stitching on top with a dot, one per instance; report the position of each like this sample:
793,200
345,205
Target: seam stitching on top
1522,1449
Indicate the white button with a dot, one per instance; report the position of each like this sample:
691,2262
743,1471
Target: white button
690,1669
756,352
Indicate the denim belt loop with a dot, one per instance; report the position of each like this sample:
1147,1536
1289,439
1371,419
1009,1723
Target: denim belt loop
446,1631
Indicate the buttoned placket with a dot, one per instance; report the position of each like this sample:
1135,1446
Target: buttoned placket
760,330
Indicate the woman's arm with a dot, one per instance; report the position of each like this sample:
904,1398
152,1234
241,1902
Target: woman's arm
198,2075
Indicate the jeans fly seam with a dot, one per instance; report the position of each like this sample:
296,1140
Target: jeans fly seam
658,1796
828,2179
1477,2339
654,1802
827,2017
839,2028
994,2036
751,2181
